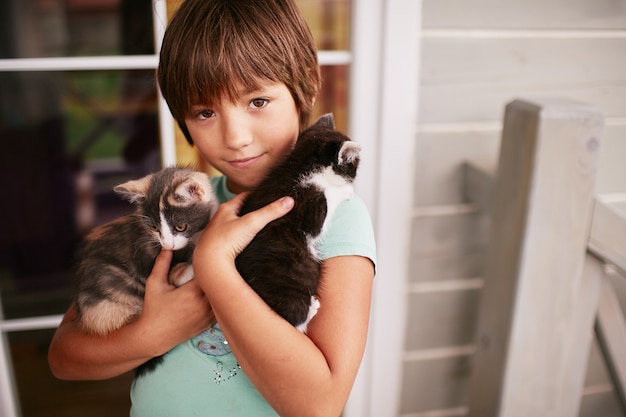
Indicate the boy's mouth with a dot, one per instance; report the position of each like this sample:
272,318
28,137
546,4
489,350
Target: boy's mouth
244,162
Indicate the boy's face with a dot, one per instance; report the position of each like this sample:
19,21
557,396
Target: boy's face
245,138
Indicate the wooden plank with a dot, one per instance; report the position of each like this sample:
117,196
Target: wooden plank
479,184
608,231
433,384
514,14
612,173
438,177
470,79
439,172
532,339
451,319
611,333
578,338
608,228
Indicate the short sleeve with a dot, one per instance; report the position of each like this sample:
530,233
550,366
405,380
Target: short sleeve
350,232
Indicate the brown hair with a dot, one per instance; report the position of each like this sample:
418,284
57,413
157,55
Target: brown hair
211,47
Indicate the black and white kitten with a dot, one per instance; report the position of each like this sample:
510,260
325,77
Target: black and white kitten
173,206
281,263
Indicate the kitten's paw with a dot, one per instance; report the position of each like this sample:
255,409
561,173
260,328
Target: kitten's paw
181,274
313,307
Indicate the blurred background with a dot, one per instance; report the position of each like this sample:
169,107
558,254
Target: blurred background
422,84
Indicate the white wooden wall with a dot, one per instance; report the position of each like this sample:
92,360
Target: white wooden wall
476,56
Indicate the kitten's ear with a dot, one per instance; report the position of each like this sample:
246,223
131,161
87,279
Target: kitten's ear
196,188
135,190
326,121
349,152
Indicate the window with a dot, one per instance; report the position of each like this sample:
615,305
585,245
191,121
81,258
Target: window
79,114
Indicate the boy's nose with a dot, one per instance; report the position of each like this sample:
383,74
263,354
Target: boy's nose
236,133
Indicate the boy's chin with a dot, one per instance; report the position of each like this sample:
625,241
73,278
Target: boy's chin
237,187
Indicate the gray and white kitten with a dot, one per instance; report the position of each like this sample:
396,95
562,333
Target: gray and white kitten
173,206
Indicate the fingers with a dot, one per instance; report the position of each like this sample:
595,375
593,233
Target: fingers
228,234
261,217
162,262
161,267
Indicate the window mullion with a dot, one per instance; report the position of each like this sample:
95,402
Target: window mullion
87,63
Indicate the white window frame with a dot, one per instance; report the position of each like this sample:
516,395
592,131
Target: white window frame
384,87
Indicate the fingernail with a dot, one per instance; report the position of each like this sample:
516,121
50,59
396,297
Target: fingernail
288,202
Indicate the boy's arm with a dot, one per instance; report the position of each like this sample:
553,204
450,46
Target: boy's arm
299,375
169,317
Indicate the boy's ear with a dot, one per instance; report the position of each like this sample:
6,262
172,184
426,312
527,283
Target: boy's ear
313,100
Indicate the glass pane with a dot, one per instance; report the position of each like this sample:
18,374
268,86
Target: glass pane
67,138
329,21
41,394
334,95
55,28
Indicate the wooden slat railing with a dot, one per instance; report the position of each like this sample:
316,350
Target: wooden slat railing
545,286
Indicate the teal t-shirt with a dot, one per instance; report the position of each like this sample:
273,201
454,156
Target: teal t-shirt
201,377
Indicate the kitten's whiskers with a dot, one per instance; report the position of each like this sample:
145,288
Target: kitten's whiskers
147,241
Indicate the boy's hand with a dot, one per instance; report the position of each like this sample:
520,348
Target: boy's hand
172,315
228,234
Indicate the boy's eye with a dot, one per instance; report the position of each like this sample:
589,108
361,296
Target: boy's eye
258,103
204,114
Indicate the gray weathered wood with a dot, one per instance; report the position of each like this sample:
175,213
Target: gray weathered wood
608,232
611,333
479,184
532,339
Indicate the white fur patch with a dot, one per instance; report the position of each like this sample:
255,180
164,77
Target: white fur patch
170,240
315,305
181,274
336,189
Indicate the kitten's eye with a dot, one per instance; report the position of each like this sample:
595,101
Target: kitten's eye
180,227
258,103
154,228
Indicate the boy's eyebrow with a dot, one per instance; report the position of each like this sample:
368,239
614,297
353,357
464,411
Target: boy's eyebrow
243,91
261,87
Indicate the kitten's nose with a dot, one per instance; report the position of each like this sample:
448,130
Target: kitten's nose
168,245
168,241
173,242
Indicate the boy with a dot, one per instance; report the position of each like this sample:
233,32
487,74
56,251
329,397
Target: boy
240,78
